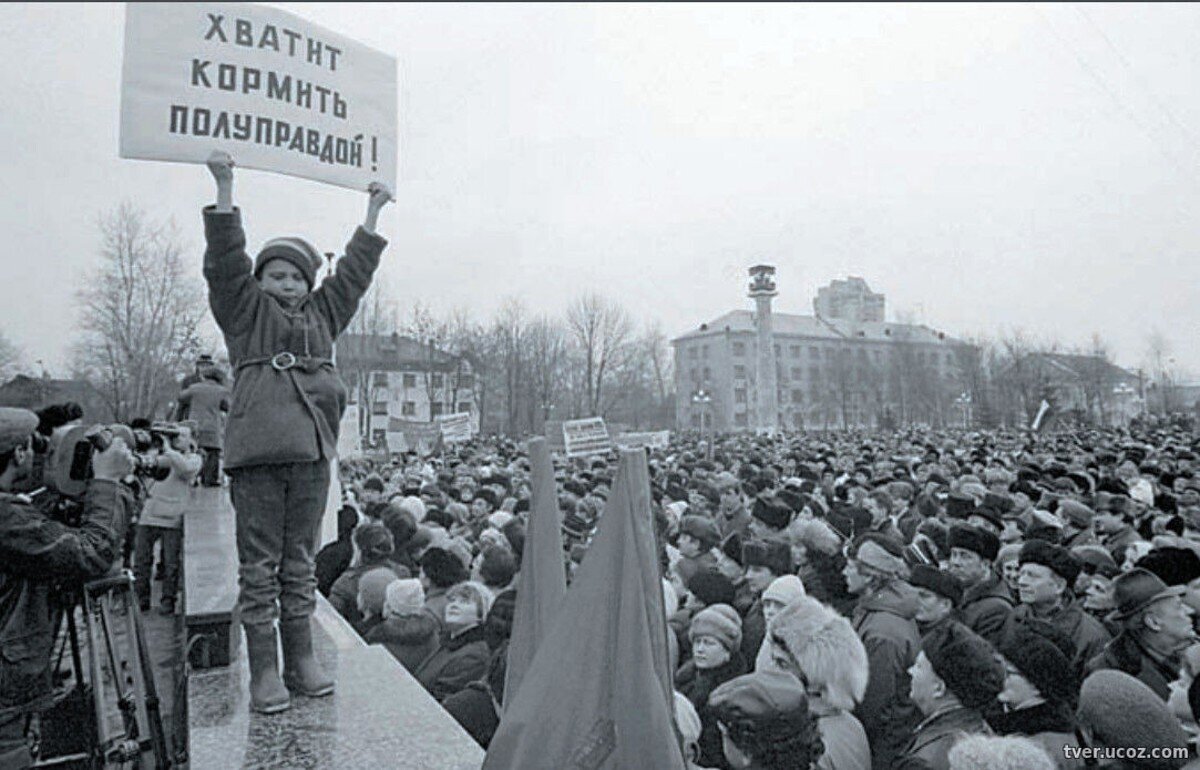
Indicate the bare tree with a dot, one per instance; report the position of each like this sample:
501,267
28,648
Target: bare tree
1163,375
602,331
140,314
547,358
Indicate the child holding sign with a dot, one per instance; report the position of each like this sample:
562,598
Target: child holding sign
282,431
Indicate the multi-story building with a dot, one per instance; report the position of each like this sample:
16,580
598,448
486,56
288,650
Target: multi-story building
849,368
395,376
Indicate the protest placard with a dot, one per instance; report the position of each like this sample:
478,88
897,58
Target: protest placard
421,437
586,437
277,92
456,427
651,440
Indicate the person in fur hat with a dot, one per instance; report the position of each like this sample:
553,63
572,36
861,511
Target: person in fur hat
956,676
372,591
986,601
818,646
1108,700
408,631
441,570
698,535
716,637
1039,690
373,542
990,752
462,654
783,591
884,619
1047,573
764,562
281,436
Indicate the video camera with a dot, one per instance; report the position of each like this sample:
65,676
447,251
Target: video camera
71,466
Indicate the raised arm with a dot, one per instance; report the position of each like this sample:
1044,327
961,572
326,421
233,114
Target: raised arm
339,295
233,294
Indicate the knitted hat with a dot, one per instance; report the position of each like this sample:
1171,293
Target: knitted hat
1058,559
1123,711
784,589
973,539
711,587
719,621
443,568
990,752
933,579
403,597
372,589
771,554
1030,647
295,251
967,663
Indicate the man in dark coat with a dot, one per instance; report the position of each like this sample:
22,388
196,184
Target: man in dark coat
37,552
1156,626
207,401
986,602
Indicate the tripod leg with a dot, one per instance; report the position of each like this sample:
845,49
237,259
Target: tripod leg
158,739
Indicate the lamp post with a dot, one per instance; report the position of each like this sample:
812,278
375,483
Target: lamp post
702,398
964,404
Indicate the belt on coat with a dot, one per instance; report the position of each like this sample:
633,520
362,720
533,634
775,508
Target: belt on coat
286,362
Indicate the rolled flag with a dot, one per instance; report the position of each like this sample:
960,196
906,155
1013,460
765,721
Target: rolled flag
598,695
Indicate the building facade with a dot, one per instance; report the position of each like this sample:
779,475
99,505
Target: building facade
392,376
851,369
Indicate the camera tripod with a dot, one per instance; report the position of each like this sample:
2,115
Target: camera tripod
128,730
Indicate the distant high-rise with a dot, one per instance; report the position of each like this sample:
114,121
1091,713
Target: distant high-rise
849,300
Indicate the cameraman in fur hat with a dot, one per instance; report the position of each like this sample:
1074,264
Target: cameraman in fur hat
35,553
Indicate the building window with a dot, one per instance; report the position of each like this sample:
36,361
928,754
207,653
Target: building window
739,349
693,353
814,372
695,421
466,380
797,373
777,353
704,351
739,372
739,419
828,354
464,407
797,396
379,407
410,380
739,396
378,437
707,374
795,351
408,409
693,373
814,352
379,380
435,408
862,355
435,380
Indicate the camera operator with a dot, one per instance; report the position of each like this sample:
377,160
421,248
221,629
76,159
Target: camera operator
36,552
162,518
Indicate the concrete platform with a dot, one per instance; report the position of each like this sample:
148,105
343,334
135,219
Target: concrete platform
380,717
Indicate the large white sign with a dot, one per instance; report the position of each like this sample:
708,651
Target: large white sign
586,437
658,439
456,427
276,92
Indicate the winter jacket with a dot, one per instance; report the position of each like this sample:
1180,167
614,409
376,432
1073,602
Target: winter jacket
1051,725
170,498
458,660
846,746
754,630
696,685
985,608
936,735
206,403
287,414
410,638
36,552
474,709
1126,653
331,561
884,622
1088,634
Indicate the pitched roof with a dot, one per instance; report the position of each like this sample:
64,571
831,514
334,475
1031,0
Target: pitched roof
389,352
1081,366
818,327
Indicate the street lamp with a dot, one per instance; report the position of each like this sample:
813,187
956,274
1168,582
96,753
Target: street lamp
702,398
964,404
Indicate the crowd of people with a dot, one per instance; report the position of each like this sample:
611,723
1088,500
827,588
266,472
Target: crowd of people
920,599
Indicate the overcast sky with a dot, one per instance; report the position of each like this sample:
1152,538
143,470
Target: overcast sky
986,167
